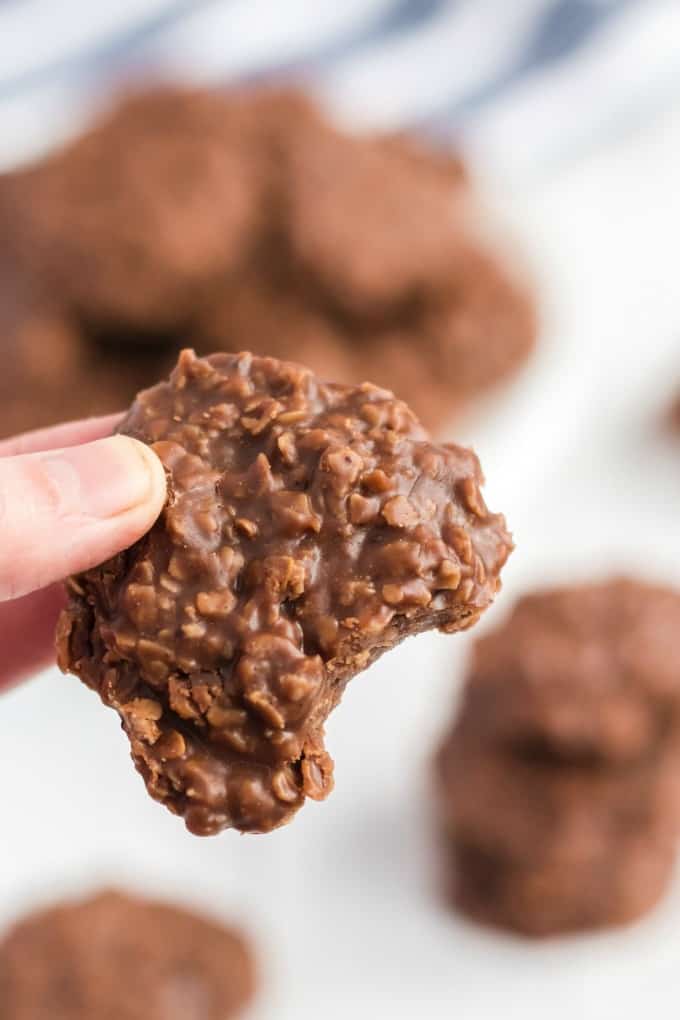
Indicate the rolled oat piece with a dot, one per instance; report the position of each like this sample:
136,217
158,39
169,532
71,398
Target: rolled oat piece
117,957
309,528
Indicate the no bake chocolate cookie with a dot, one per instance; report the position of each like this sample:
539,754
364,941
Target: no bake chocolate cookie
115,957
375,255
558,786
585,671
247,220
309,528
540,899
544,847
54,368
132,222
533,810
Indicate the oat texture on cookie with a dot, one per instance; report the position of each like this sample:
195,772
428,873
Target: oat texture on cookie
309,528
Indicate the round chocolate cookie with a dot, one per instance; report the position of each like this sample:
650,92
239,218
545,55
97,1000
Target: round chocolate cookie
376,262
246,220
371,233
533,809
132,222
545,898
584,672
114,957
542,846
309,528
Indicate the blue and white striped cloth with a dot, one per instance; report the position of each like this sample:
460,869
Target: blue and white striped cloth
522,83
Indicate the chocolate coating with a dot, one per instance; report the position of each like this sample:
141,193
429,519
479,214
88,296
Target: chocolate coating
115,957
310,527
588,671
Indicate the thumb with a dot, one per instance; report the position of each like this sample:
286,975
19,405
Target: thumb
63,511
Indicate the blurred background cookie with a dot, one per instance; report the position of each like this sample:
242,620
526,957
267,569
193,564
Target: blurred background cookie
117,957
558,786
246,220
129,224
584,672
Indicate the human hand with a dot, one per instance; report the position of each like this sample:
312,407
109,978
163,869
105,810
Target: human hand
69,499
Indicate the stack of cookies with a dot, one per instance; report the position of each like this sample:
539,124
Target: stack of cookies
246,220
559,783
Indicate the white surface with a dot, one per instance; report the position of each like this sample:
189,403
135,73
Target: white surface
343,901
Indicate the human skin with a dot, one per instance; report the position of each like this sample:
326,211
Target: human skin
70,497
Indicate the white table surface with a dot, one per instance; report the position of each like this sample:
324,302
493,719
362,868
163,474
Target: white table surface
343,902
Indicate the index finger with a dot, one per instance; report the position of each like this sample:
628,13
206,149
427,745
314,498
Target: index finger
59,436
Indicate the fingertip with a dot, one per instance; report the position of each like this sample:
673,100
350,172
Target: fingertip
157,481
147,481
65,511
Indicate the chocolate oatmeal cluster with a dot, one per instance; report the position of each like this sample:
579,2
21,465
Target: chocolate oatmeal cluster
559,783
115,957
309,528
134,222
245,220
